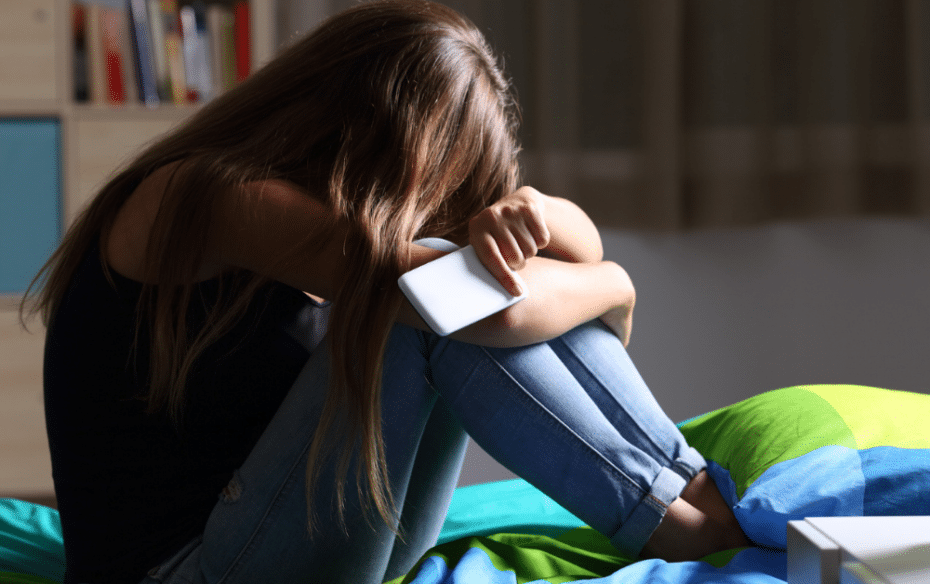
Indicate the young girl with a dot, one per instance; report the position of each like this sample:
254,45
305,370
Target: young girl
213,419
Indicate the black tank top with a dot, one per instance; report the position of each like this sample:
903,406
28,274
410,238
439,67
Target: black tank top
132,489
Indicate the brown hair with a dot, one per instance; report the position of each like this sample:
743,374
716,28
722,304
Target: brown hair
397,116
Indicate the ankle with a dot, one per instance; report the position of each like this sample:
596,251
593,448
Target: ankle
702,492
736,537
687,534
684,534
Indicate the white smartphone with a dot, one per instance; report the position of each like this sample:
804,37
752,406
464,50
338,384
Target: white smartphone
456,290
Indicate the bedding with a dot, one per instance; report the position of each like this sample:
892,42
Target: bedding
796,452
31,551
804,451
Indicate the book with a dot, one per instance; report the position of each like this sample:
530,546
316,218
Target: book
111,20
142,53
96,60
156,51
160,56
174,51
130,87
196,57
79,51
222,46
243,36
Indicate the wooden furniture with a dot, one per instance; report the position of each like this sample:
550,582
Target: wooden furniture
54,154
859,550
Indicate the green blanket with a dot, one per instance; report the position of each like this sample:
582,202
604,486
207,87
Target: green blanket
797,452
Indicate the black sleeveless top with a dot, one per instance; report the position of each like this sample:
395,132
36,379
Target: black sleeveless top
132,489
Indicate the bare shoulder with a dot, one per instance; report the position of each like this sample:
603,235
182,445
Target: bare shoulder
126,245
252,228
277,229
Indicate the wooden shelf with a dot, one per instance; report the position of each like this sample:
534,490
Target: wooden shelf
128,112
36,82
13,108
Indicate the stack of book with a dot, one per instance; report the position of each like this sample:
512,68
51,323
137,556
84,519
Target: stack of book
158,51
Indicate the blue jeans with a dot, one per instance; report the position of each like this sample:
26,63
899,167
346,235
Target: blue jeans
571,416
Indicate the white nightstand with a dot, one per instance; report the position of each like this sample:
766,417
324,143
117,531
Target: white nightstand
859,550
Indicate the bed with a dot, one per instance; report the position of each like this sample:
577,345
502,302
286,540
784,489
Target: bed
804,451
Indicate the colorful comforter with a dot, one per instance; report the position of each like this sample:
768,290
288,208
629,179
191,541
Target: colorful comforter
807,451
787,454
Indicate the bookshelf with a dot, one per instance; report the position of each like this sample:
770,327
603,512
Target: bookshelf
54,154
36,81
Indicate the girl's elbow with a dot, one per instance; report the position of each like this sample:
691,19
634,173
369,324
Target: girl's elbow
505,329
520,326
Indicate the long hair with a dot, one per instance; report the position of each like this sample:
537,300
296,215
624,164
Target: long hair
397,116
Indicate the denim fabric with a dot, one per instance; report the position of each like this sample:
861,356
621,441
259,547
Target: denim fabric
571,416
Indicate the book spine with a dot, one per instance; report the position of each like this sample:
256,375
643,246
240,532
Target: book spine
174,51
96,69
196,59
110,23
142,51
222,46
79,51
130,86
243,40
157,29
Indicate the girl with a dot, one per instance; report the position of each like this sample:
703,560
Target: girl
224,321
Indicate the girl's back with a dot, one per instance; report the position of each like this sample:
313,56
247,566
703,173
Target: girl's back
129,485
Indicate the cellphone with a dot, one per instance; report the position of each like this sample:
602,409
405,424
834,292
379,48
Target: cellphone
456,290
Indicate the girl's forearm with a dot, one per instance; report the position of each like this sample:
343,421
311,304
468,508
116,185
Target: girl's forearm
560,297
562,292
573,236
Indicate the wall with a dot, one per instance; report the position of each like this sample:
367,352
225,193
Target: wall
724,315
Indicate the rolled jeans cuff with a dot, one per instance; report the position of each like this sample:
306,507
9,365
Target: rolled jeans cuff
689,463
645,518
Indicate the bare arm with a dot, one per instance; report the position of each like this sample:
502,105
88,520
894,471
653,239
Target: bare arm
560,296
573,236
271,219
569,283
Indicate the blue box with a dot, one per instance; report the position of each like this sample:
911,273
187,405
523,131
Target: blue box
30,198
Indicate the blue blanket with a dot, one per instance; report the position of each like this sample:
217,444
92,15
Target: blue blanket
787,454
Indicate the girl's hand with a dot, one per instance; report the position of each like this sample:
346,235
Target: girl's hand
508,233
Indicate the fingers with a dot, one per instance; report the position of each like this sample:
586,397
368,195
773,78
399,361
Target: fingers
516,248
508,233
530,217
504,251
490,255
517,227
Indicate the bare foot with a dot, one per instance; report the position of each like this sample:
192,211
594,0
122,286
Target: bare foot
686,533
702,493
